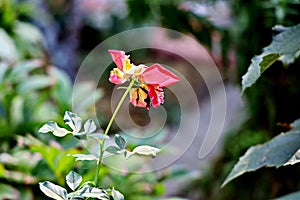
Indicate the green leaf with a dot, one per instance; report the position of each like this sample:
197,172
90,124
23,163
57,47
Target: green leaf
73,180
286,42
3,71
296,124
17,107
84,157
80,136
22,69
120,141
284,47
280,151
99,136
291,196
113,149
8,50
146,150
73,121
89,126
52,127
62,87
258,65
35,82
92,192
87,90
8,192
267,61
117,195
28,32
53,191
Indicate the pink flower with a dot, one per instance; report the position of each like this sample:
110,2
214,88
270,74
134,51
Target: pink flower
150,81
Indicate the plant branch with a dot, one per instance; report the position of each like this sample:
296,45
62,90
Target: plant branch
108,128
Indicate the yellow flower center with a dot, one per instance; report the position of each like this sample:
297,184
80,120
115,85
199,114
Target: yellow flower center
127,66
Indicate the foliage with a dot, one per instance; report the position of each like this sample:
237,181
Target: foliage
73,179
272,104
42,93
20,39
30,95
294,195
138,76
32,87
85,191
32,92
282,150
284,47
173,15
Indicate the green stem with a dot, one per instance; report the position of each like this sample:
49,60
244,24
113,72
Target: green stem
108,128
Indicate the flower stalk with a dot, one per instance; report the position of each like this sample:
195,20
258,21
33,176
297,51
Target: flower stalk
108,128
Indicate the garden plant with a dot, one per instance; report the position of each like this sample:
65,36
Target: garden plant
145,90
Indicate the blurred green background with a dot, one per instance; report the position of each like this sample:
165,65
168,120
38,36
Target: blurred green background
42,44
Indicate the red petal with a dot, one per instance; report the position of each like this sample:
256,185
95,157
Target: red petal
156,95
158,75
118,57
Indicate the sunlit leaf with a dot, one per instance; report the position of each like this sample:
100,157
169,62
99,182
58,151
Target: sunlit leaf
53,191
120,141
35,82
73,180
19,177
292,196
84,157
91,94
73,121
3,71
80,136
62,87
99,136
284,47
146,150
28,32
52,127
89,126
17,107
281,150
8,192
113,149
8,49
22,69
20,158
258,65
92,192
117,195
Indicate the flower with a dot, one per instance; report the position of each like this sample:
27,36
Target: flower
150,81
125,70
